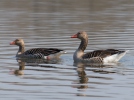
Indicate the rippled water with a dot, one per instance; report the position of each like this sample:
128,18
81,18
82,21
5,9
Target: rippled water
50,23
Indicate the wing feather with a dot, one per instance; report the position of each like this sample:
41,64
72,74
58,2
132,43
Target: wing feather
101,53
42,51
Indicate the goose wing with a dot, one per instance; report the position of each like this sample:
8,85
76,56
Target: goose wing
42,51
101,53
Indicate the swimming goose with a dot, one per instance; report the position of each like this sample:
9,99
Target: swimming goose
98,56
45,53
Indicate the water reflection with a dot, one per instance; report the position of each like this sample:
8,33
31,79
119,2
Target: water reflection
34,63
40,61
47,23
96,67
83,79
84,82
21,68
81,84
19,71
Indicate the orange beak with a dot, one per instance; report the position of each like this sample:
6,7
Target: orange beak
12,43
74,36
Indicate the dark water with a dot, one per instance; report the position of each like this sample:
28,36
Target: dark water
50,23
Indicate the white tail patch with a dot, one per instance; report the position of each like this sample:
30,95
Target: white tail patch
62,52
114,58
45,57
53,56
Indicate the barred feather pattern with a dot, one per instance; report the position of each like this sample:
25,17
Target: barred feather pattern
98,55
39,52
94,60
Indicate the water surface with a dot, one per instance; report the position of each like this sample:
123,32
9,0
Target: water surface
50,23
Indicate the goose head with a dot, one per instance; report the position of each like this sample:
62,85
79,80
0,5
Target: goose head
80,35
18,42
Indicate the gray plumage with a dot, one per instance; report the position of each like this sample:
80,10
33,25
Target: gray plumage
35,52
98,56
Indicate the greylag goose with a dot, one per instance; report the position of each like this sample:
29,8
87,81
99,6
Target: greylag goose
98,56
43,53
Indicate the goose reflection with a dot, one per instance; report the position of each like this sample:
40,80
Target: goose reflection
98,67
82,78
33,63
39,61
19,71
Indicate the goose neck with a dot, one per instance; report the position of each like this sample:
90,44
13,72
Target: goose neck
21,49
83,45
